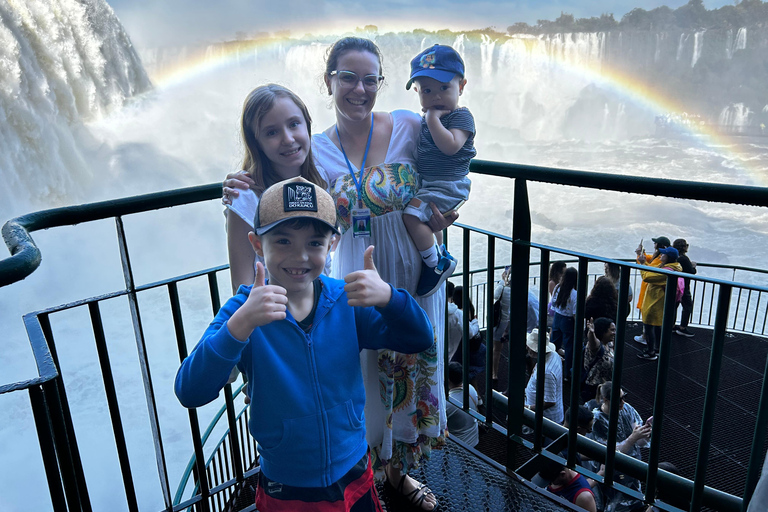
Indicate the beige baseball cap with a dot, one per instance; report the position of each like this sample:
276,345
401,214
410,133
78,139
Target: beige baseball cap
295,198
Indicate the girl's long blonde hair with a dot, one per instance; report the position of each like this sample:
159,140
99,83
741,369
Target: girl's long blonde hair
257,104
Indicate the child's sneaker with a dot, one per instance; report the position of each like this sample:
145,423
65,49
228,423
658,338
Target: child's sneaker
432,277
641,339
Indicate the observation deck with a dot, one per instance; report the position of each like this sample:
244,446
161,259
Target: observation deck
708,394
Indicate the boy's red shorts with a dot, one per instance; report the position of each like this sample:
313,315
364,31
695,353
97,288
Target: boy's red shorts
354,492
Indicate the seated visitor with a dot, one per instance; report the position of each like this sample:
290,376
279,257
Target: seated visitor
460,424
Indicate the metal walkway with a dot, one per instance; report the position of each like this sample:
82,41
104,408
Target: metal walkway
743,363
463,480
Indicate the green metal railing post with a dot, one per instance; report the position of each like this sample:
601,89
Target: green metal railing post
578,352
489,352
618,363
662,377
758,438
543,300
521,255
146,374
710,398
465,352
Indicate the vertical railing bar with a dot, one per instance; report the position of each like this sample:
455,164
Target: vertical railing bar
112,404
226,446
736,309
138,330
490,320
213,288
70,449
222,478
543,300
758,439
710,398
662,376
578,352
465,319
45,437
618,369
181,345
746,310
521,256
757,312
61,440
697,296
711,304
765,317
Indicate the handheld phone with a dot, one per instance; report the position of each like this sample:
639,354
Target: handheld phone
649,421
455,208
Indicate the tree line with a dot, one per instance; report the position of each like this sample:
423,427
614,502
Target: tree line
691,16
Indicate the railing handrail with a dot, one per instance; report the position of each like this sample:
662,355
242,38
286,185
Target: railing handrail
26,257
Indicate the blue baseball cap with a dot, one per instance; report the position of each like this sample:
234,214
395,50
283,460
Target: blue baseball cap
439,62
671,252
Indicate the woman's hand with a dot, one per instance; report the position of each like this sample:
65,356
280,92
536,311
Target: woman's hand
234,181
439,222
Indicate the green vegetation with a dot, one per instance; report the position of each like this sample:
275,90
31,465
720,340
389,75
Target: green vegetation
691,16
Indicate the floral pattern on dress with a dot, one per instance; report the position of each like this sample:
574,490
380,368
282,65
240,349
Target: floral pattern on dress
386,188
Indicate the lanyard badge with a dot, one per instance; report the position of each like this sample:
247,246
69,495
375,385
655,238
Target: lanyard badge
361,216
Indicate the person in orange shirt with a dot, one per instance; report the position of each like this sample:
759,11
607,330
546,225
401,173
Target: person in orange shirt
652,260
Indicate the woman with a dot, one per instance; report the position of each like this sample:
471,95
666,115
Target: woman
563,325
502,292
556,271
613,272
602,300
631,435
653,301
598,356
405,402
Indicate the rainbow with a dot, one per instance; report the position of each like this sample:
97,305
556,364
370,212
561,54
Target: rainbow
634,91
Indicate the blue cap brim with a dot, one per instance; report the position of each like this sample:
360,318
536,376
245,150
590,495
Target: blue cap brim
437,74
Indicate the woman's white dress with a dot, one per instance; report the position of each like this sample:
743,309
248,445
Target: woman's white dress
405,394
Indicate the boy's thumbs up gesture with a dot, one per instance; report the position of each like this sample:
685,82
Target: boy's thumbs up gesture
365,288
265,304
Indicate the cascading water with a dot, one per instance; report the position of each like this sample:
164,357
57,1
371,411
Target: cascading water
61,63
536,99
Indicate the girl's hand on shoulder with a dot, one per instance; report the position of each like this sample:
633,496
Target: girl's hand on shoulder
440,221
365,287
235,180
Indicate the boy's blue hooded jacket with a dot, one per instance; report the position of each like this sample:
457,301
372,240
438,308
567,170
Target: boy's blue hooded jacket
306,389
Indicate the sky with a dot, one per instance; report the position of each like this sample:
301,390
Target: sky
152,23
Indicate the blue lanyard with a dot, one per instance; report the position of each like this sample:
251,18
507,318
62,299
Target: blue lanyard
358,183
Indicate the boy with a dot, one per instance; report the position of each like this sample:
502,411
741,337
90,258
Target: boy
446,146
297,339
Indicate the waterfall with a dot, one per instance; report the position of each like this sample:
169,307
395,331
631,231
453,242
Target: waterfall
697,47
736,116
63,64
681,45
741,39
486,53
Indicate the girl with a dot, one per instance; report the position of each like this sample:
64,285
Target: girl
564,305
276,129
556,271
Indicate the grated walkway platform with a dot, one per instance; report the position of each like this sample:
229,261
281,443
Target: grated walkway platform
744,361
462,479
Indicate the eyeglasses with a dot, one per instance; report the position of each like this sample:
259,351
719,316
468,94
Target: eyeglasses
349,80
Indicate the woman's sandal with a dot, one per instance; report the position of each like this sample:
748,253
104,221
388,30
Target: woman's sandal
417,496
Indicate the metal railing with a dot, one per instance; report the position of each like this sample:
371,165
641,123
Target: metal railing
63,466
